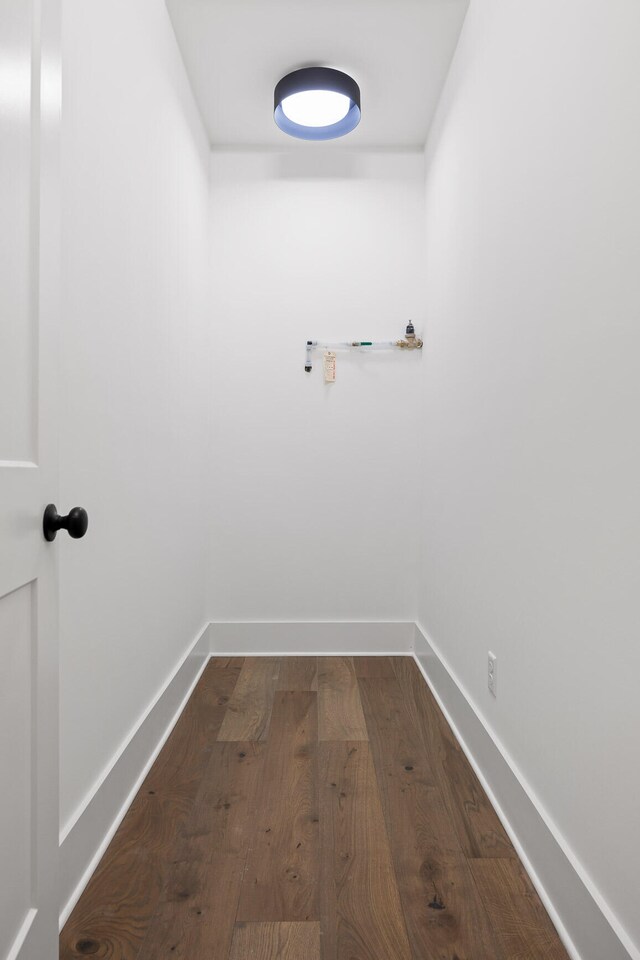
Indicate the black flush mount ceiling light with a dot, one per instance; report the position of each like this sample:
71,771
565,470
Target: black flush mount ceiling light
317,103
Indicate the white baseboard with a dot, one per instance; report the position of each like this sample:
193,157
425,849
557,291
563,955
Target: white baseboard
587,927
87,835
312,638
584,922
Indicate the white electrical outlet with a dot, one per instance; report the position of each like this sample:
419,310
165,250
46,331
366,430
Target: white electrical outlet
492,673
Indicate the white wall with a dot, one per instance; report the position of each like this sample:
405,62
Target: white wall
530,409
314,485
135,384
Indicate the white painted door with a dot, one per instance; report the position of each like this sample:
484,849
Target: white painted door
29,282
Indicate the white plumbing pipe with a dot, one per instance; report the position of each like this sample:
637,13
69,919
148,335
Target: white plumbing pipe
345,345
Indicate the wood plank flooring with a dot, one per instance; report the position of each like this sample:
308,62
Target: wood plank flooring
311,808
340,715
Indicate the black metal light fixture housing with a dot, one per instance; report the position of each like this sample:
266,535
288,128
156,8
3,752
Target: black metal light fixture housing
317,103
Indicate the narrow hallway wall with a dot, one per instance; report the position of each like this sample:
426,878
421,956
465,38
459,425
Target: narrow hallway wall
530,411
135,383
313,484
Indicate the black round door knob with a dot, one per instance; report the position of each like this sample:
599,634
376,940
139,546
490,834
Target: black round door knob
75,522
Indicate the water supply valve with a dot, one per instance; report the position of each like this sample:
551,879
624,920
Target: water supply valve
411,342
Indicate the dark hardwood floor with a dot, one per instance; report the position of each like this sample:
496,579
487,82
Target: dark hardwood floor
311,808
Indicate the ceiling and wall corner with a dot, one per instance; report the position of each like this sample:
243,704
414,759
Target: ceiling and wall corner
398,51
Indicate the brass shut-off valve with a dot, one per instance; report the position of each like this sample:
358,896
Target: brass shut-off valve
411,342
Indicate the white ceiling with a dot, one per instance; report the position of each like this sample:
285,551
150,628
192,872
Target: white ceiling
398,50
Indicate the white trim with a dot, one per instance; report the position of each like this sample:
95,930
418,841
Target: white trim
585,923
89,831
22,934
313,638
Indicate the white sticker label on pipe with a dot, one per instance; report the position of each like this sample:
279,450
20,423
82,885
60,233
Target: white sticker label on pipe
329,365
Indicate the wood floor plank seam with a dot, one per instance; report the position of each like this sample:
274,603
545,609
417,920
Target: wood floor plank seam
393,859
276,941
432,870
340,715
202,890
298,673
356,857
525,930
248,711
395,872
479,829
117,908
280,882
300,841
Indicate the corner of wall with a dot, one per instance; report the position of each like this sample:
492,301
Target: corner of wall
584,922
312,638
85,838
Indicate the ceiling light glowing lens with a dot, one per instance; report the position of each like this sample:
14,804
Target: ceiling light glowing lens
316,108
317,103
